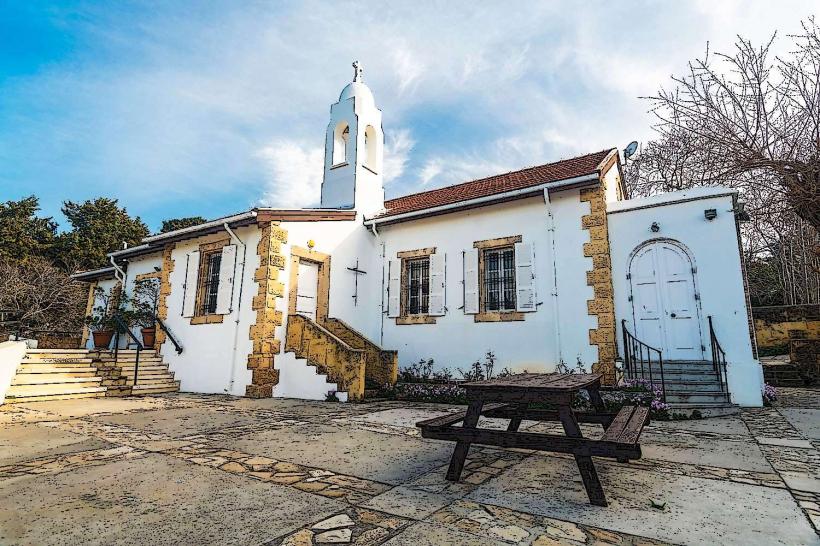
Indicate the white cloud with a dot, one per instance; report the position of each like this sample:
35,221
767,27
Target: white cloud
397,147
188,102
294,174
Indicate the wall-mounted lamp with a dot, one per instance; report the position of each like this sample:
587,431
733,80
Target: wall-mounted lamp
710,214
655,227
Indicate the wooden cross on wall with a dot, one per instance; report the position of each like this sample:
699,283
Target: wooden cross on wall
356,272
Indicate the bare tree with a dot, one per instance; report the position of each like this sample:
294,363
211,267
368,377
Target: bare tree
751,121
44,295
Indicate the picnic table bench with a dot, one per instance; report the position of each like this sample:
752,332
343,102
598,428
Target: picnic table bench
512,398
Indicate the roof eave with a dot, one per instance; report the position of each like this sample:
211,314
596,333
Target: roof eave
520,193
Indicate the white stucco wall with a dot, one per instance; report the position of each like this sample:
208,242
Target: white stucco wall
456,340
714,247
208,362
11,354
346,242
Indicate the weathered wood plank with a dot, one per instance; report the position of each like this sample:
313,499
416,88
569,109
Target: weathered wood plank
506,411
633,429
453,418
531,440
616,428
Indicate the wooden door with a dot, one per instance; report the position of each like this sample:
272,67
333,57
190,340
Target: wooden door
663,301
307,289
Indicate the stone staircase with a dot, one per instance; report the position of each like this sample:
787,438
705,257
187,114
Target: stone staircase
64,374
55,374
693,385
153,375
784,374
344,356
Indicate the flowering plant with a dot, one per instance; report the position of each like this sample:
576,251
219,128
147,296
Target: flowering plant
769,394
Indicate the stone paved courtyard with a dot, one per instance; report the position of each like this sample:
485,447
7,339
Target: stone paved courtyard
198,469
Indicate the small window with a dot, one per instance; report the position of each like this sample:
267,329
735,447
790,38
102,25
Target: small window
370,148
209,282
341,135
418,286
499,279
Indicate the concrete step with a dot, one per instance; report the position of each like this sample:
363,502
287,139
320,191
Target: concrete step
707,410
54,368
55,360
695,397
147,368
55,351
59,389
156,388
46,398
50,378
685,386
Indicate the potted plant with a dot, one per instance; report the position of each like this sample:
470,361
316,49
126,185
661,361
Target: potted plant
101,320
146,297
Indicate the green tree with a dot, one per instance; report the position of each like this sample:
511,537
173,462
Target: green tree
22,233
98,227
179,223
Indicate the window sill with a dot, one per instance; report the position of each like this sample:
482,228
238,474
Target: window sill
207,319
499,316
415,319
339,165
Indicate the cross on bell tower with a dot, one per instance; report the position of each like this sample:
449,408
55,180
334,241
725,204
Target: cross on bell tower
354,148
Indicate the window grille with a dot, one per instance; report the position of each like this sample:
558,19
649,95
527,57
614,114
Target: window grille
210,283
418,283
499,279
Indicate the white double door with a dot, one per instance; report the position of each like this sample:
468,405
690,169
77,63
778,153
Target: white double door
307,289
663,301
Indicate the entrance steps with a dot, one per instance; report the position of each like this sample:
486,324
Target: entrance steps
153,375
692,385
55,374
65,374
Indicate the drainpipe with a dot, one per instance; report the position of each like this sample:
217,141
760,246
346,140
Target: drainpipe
117,269
381,306
554,293
238,241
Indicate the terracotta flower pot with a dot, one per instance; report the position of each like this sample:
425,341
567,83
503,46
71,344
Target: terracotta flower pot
148,337
102,338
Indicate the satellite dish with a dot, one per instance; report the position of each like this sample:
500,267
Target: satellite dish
630,149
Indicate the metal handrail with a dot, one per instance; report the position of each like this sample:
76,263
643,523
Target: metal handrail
122,327
637,352
169,335
718,359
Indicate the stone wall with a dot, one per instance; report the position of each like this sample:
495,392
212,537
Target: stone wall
599,278
773,324
268,318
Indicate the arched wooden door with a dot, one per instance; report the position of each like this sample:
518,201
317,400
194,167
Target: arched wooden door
664,304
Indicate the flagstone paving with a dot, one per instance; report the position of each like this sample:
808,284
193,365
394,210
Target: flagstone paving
202,469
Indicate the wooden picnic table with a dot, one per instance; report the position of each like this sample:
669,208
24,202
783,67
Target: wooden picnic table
512,398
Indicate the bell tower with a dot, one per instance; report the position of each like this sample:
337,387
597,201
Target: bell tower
354,151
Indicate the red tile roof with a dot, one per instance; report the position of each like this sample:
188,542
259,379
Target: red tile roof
500,183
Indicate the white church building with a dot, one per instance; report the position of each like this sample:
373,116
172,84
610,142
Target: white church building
548,266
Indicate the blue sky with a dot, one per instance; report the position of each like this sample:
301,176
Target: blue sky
207,108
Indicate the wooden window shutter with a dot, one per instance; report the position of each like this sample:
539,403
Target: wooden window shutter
227,267
471,281
438,267
394,288
190,287
525,277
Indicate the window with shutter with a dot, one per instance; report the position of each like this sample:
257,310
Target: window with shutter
227,267
438,281
190,288
471,302
394,288
525,277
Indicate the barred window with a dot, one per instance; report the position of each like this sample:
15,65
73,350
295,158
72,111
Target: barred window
499,279
418,286
209,282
